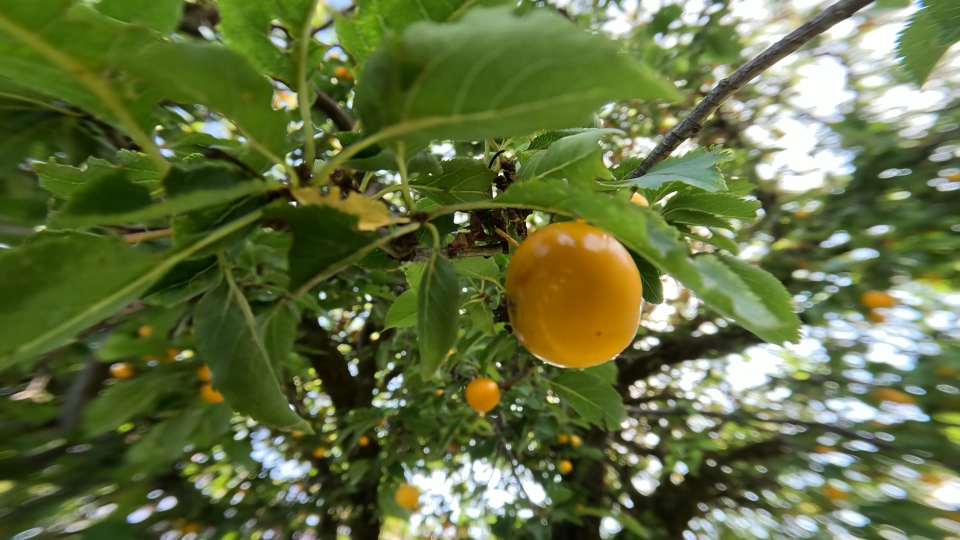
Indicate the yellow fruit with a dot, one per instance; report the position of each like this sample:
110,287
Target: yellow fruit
203,374
320,453
482,394
877,299
639,199
407,496
836,494
343,73
891,394
802,214
122,370
821,449
565,466
172,354
190,528
876,317
953,177
145,330
296,434
945,371
574,295
364,440
208,394
437,393
563,438
574,441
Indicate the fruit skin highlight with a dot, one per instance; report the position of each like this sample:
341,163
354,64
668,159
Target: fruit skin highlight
482,394
574,295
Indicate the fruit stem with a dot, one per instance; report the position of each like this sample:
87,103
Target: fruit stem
365,182
507,237
402,167
436,236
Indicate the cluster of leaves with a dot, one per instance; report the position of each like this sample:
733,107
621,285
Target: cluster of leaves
344,285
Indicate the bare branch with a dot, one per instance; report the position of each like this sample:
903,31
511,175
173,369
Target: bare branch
423,255
693,123
332,109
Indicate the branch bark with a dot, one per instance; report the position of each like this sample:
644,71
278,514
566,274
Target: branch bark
693,123
332,109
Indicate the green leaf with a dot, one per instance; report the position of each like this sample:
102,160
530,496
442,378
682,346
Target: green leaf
718,240
445,81
56,285
693,217
403,311
165,442
361,34
607,371
122,402
438,312
65,50
245,26
697,169
644,232
386,160
927,36
214,76
576,158
159,15
110,529
414,274
774,295
478,268
717,204
279,330
113,199
324,242
63,180
461,180
482,317
595,399
542,142
229,343
650,279
185,281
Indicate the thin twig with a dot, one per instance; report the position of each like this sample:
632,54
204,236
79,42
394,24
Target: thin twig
423,254
693,123
332,20
147,235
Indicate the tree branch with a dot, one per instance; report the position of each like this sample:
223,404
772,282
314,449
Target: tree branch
693,123
330,365
332,109
423,255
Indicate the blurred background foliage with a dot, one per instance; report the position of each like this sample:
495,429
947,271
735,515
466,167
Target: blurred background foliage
850,433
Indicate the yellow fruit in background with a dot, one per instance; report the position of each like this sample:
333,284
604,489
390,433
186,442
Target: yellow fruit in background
363,440
320,453
208,394
407,496
203,374
296,434
639,199
891,394
145,331
172,354
574,295
574,441
821,449
438,392
122,370
565,466
190,528
877,299
836,494
482,394
876,317
945,371
563,438
343,73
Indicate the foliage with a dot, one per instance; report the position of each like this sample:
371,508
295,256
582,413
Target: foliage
177,196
